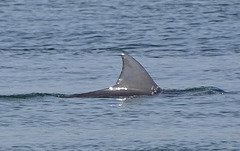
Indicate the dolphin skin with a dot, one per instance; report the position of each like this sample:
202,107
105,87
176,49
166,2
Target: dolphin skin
134,80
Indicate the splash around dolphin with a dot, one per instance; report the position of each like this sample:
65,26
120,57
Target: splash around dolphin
134,80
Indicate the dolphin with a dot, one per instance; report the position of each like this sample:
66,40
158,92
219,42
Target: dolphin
134,80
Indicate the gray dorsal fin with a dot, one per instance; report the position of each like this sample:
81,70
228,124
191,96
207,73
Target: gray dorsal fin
135,77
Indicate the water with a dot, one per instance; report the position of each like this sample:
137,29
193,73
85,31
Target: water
65,47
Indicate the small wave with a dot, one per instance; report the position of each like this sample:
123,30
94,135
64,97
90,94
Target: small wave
198,91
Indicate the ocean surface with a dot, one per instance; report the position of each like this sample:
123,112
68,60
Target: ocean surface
191,48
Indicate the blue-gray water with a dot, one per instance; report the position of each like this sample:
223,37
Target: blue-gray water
65,47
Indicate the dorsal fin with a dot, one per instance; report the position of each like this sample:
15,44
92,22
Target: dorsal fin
134,77
133,80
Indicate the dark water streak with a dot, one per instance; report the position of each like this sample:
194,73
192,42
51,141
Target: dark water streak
199,91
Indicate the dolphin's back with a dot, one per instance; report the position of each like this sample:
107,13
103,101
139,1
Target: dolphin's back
133,80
